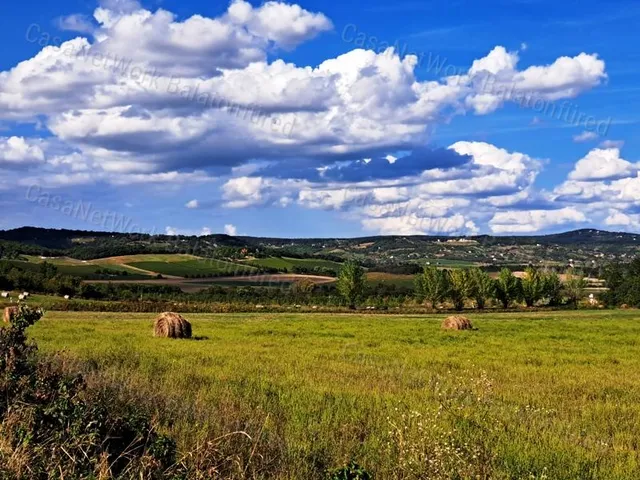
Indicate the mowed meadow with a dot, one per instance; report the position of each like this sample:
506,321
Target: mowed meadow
545,395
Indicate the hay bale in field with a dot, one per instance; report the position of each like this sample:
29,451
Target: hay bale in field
10,313
171,325
457,322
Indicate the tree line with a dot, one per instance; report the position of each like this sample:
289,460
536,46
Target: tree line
623,282
45,278
536,286
458,287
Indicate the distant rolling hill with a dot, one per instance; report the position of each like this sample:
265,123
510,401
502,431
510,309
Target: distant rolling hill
134,267
586,248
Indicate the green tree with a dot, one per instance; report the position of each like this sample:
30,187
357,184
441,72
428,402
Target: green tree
552,287
574,286
432,285
507,287
532,286
304,286
623,283
351,282
460,287
483,287
48,270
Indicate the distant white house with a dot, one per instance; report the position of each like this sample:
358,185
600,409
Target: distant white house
4,294
21,297
66,297
25,294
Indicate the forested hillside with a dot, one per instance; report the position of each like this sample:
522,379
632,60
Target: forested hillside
584,248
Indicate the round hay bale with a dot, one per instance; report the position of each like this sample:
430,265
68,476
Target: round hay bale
171,325
10,313
457,322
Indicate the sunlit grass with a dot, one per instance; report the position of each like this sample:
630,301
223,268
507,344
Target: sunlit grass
288,264
555,394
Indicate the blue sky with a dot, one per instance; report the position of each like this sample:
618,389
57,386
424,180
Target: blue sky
311,119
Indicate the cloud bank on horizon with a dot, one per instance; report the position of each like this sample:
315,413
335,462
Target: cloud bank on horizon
207,122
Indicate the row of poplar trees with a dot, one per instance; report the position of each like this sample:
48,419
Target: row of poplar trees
436,286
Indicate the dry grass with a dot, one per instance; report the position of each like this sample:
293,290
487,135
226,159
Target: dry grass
171,325
457,322
9,313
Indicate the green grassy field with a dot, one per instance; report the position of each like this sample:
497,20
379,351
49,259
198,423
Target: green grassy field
525,396
149,257
77,268
166,264
202,266
290,263
399,280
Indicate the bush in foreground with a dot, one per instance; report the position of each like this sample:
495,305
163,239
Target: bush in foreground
352,471
53,425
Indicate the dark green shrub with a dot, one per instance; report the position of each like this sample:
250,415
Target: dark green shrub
52,424
352,471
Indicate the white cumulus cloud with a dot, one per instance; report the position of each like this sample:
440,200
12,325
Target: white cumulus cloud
18,150
514,221
602,164
230,229
585,136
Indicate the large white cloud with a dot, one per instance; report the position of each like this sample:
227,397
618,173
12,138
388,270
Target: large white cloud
602,164
286,25
415,225
604,186
617,218
200,45
602,178
518,221
108,71
496,80
19,151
